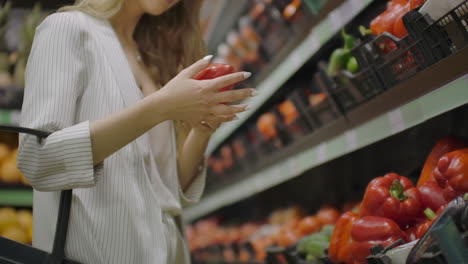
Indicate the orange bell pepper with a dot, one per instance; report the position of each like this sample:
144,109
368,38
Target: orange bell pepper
442,147
399,29
341,238
266,126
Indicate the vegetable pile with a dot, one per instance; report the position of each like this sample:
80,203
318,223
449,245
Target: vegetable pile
394,209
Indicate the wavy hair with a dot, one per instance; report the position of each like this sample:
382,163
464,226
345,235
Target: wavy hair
168,42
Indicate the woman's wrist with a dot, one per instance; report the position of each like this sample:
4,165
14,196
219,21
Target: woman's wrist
153,109
202,133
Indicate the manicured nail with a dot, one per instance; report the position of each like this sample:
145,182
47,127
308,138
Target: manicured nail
208,58
254,93
247,74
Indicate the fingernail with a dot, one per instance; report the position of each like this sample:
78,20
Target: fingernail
254,93
247,108
247,74
235,118
208,58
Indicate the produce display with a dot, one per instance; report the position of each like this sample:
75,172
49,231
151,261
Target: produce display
17,59
357,70
285,228
9,173
263,30
16,225
393,211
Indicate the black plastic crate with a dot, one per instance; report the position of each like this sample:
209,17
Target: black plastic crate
363,52
318,112
299,127
364,84
244,155
403,59
443,37
265,146
346,96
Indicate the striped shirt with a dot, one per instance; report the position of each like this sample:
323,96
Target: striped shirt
122,209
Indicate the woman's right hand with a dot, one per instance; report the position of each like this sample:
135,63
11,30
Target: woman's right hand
199,100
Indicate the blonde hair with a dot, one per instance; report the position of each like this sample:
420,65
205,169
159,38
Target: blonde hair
168,42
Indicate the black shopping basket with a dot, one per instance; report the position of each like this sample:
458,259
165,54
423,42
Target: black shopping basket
12,252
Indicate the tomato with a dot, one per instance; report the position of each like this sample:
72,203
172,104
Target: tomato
226,156
309,225
328,215
288,237
288,111
215,70
266,125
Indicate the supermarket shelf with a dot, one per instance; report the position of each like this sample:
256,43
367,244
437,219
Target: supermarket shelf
393,117
21,198
318,35
226,16
10,117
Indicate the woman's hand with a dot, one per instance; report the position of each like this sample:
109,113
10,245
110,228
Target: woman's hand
205,127
193,100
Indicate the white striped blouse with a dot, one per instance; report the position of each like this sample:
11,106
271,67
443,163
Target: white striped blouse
122,210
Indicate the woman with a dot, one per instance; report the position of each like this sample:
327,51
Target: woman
93,77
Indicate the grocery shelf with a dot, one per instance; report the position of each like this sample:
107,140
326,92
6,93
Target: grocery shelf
318,36
403,107
10,117
20,197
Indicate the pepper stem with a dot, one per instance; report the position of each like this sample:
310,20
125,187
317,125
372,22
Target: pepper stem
429,213
397,191
364,31
465,197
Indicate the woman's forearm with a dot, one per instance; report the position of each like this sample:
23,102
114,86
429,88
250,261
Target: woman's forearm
191,156
115,131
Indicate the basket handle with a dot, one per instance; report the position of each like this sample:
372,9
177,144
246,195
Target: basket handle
58,251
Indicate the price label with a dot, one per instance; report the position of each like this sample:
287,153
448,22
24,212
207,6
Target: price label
397,123
351,140
322,152
313,43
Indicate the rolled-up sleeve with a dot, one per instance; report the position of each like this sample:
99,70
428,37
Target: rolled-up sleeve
55,79
195,191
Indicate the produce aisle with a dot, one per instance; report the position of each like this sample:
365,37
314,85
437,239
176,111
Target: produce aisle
355,149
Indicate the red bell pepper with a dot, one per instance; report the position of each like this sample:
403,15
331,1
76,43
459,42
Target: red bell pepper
442,147
371,231
338,250
452,173
431,217
432,196
215,70
394,197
